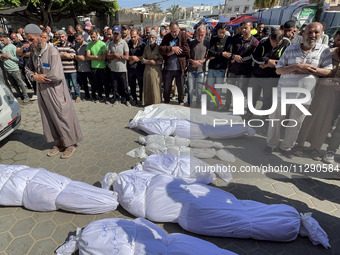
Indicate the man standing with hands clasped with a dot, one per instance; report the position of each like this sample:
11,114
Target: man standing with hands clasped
59,119
174,49
299,67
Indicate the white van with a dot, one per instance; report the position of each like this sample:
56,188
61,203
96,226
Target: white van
10,115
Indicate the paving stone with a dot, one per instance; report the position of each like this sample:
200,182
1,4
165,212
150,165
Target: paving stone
89,161
40,216
20,245
302,199
61,233
323,206
265,186
119,164
43,247
43,229
22,227
20,156
103,162
8,154
283,189
7,162
62,217
82,220
21,213
77,169
91,170
5,239
6,223
77,160
6,210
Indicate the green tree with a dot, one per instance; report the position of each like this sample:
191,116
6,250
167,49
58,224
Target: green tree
175,11
156,8
47,12
265,3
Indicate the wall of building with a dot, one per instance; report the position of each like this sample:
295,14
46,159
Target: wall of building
239,6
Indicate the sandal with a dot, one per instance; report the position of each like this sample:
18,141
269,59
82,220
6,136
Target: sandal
315,155
55,150
298,151
68,152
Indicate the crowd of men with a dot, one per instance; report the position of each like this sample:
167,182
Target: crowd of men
113,64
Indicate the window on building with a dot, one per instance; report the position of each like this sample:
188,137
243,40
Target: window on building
237,9
229,9
246,8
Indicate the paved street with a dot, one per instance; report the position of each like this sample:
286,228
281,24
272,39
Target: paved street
107,140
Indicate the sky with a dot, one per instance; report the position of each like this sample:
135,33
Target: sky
166,4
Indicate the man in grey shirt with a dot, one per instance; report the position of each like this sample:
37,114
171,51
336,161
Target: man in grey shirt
83,65
197,58
117,56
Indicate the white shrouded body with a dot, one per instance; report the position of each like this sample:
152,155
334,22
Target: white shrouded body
211,211
135,237
40,190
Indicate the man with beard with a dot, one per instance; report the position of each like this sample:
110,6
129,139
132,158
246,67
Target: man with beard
83,65
126,33
218,58
118,55
146,35
241,48
299,67
175,50
197,58
134,66
59,119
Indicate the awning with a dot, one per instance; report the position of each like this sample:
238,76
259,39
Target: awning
236,22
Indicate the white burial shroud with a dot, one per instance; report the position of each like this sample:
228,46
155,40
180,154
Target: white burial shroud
190,130
134,237
160,144
187,168
40,190
211,211
167,111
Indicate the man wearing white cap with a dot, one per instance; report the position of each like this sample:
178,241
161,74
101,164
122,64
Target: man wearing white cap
59,119
88,25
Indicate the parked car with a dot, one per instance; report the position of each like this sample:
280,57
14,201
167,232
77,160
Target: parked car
331,31
10,115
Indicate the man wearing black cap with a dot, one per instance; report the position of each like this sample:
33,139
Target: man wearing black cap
126,33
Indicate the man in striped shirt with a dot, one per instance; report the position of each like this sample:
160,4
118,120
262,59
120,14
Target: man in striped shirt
299,66
67,54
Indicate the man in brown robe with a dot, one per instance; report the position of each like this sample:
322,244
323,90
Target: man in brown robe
59,120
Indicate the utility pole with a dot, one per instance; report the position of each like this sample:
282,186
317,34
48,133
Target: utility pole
319,10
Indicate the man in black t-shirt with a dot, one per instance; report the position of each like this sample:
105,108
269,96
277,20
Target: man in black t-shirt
218,59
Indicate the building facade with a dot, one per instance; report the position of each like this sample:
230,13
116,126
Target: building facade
239,6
